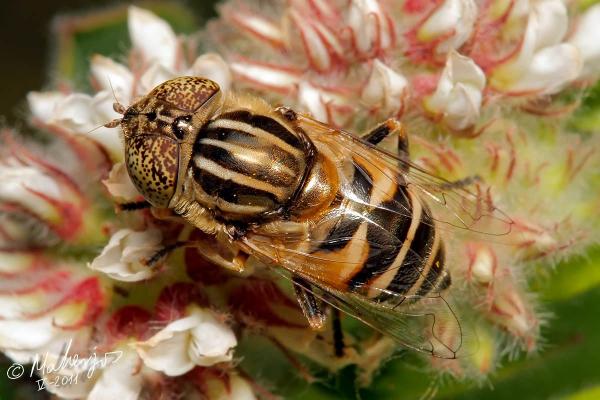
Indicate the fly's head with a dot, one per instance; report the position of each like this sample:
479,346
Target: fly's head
159,127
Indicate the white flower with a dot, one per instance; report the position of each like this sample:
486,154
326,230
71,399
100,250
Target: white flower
267,76
482,264
120,379
542,65
385,88
213,67
155,75
457,98
124,255
153,37
198,339
452,17
23,339
587,39
79,114
318,42
119,184
324,105
14,262
17,185
110,75
43,104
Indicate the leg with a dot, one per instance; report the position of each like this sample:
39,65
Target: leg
338,334
137,205
462,183
390,127
310,305
211,249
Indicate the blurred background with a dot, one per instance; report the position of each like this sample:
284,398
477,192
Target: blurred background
28,45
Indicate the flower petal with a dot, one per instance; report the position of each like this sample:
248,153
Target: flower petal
124,255
212,66
156,74
43,104
119,379
455,17
119,184
586,39
459,93
153,37
385,88
551,69
111,75
198,339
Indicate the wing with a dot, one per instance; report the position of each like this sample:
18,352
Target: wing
465,205
427,324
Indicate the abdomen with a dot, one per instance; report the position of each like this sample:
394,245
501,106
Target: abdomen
382,236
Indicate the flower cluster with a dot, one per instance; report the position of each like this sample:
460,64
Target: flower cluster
484,88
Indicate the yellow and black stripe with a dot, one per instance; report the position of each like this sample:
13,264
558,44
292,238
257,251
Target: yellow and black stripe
248,164
404,256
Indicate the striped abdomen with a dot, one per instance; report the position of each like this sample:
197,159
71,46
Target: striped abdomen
247,165
394,244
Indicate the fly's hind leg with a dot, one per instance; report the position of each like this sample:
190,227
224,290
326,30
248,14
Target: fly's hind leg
313,309
462,183
392,128
310,305
338,334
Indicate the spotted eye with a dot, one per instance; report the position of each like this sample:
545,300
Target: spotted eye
187,93
153,163
151,116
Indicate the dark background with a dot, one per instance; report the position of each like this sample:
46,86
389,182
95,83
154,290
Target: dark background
26,45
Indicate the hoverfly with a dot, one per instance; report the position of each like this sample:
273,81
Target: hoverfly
356,226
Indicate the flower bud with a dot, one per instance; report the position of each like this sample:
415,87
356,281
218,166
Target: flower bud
266,76
371,27
457,99
386,90
449,26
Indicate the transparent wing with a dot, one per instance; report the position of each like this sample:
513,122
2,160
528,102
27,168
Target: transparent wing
426,324
464,205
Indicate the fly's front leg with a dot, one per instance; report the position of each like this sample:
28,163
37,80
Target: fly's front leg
134,205
215,249
391,128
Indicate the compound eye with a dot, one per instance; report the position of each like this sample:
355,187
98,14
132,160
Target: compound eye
153,163
182,126
187,93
